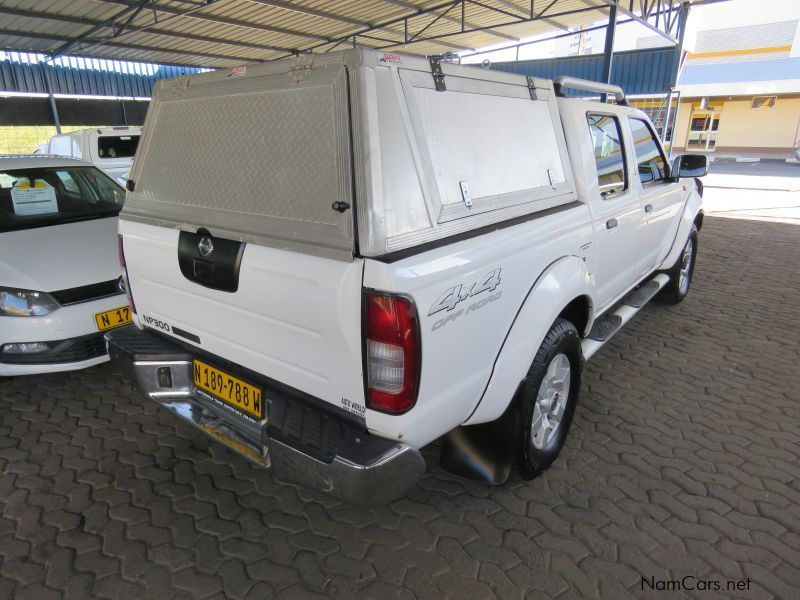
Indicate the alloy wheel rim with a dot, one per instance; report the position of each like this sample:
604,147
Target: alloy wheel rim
686,268
551,401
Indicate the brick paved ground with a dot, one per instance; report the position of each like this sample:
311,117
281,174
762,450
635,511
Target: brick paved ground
683,460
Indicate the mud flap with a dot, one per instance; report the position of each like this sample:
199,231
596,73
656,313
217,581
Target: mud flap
484,452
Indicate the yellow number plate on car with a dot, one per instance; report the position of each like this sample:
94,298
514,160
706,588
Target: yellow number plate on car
228,388
113,318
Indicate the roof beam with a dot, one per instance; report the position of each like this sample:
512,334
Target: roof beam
226,21
134,29
312,12
438,38
385,26
130,12
548,20
305,10
547,39
404,4
644,22
61,38
276,4
526,14
366,25
513,6
436,18
322,14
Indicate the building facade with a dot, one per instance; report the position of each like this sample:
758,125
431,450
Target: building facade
740,89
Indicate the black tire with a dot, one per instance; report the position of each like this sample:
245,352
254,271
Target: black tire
562,339
673,292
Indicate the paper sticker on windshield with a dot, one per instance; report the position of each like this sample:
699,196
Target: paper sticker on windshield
38,198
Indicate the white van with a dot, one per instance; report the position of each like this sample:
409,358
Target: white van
111,149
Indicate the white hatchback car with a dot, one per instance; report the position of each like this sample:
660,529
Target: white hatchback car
59,270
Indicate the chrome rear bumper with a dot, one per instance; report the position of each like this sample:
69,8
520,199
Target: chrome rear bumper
357,467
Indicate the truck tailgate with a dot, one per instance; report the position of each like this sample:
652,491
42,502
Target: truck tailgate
295,317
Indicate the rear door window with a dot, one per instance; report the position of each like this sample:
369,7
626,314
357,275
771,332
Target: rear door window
649,159
609,155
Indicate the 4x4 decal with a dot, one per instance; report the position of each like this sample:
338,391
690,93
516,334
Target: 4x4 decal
450,299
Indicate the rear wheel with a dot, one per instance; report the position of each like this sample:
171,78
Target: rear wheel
548,398
681,273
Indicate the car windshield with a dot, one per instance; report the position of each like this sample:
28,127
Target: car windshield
43,196
117,146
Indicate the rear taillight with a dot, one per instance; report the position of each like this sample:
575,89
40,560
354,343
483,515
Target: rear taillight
126,285
393,352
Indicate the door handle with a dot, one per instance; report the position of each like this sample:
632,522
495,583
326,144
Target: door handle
611,223
648,208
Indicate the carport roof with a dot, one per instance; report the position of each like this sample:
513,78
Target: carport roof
223,33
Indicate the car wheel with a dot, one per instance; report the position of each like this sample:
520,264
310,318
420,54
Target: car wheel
682,272
548,397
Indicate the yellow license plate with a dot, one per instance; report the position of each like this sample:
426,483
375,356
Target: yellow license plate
113,318
230,389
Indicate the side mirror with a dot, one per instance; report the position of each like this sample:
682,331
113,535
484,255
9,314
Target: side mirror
689,165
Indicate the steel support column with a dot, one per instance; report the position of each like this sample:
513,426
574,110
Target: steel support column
49,90
608,53
683,15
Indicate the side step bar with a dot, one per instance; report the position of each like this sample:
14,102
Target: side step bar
608,324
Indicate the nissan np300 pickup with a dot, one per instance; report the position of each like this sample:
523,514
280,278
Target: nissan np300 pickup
335,260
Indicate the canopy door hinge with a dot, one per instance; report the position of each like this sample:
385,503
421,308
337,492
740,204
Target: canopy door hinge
438,74
537,92
532,88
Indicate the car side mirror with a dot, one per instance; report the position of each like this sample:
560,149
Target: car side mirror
689,165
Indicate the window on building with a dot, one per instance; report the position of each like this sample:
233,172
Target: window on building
700,123
763,102
609,155
649,160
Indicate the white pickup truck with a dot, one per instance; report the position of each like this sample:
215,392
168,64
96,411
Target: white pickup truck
335,260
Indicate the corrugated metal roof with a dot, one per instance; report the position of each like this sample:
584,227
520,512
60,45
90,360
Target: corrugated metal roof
637,71
28,73
225,33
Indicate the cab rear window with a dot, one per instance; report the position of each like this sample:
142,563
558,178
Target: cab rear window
117,146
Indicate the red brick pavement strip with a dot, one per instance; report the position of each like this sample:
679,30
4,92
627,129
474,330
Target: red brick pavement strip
682,460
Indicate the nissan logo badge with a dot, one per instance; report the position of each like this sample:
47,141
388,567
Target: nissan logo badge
206,246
